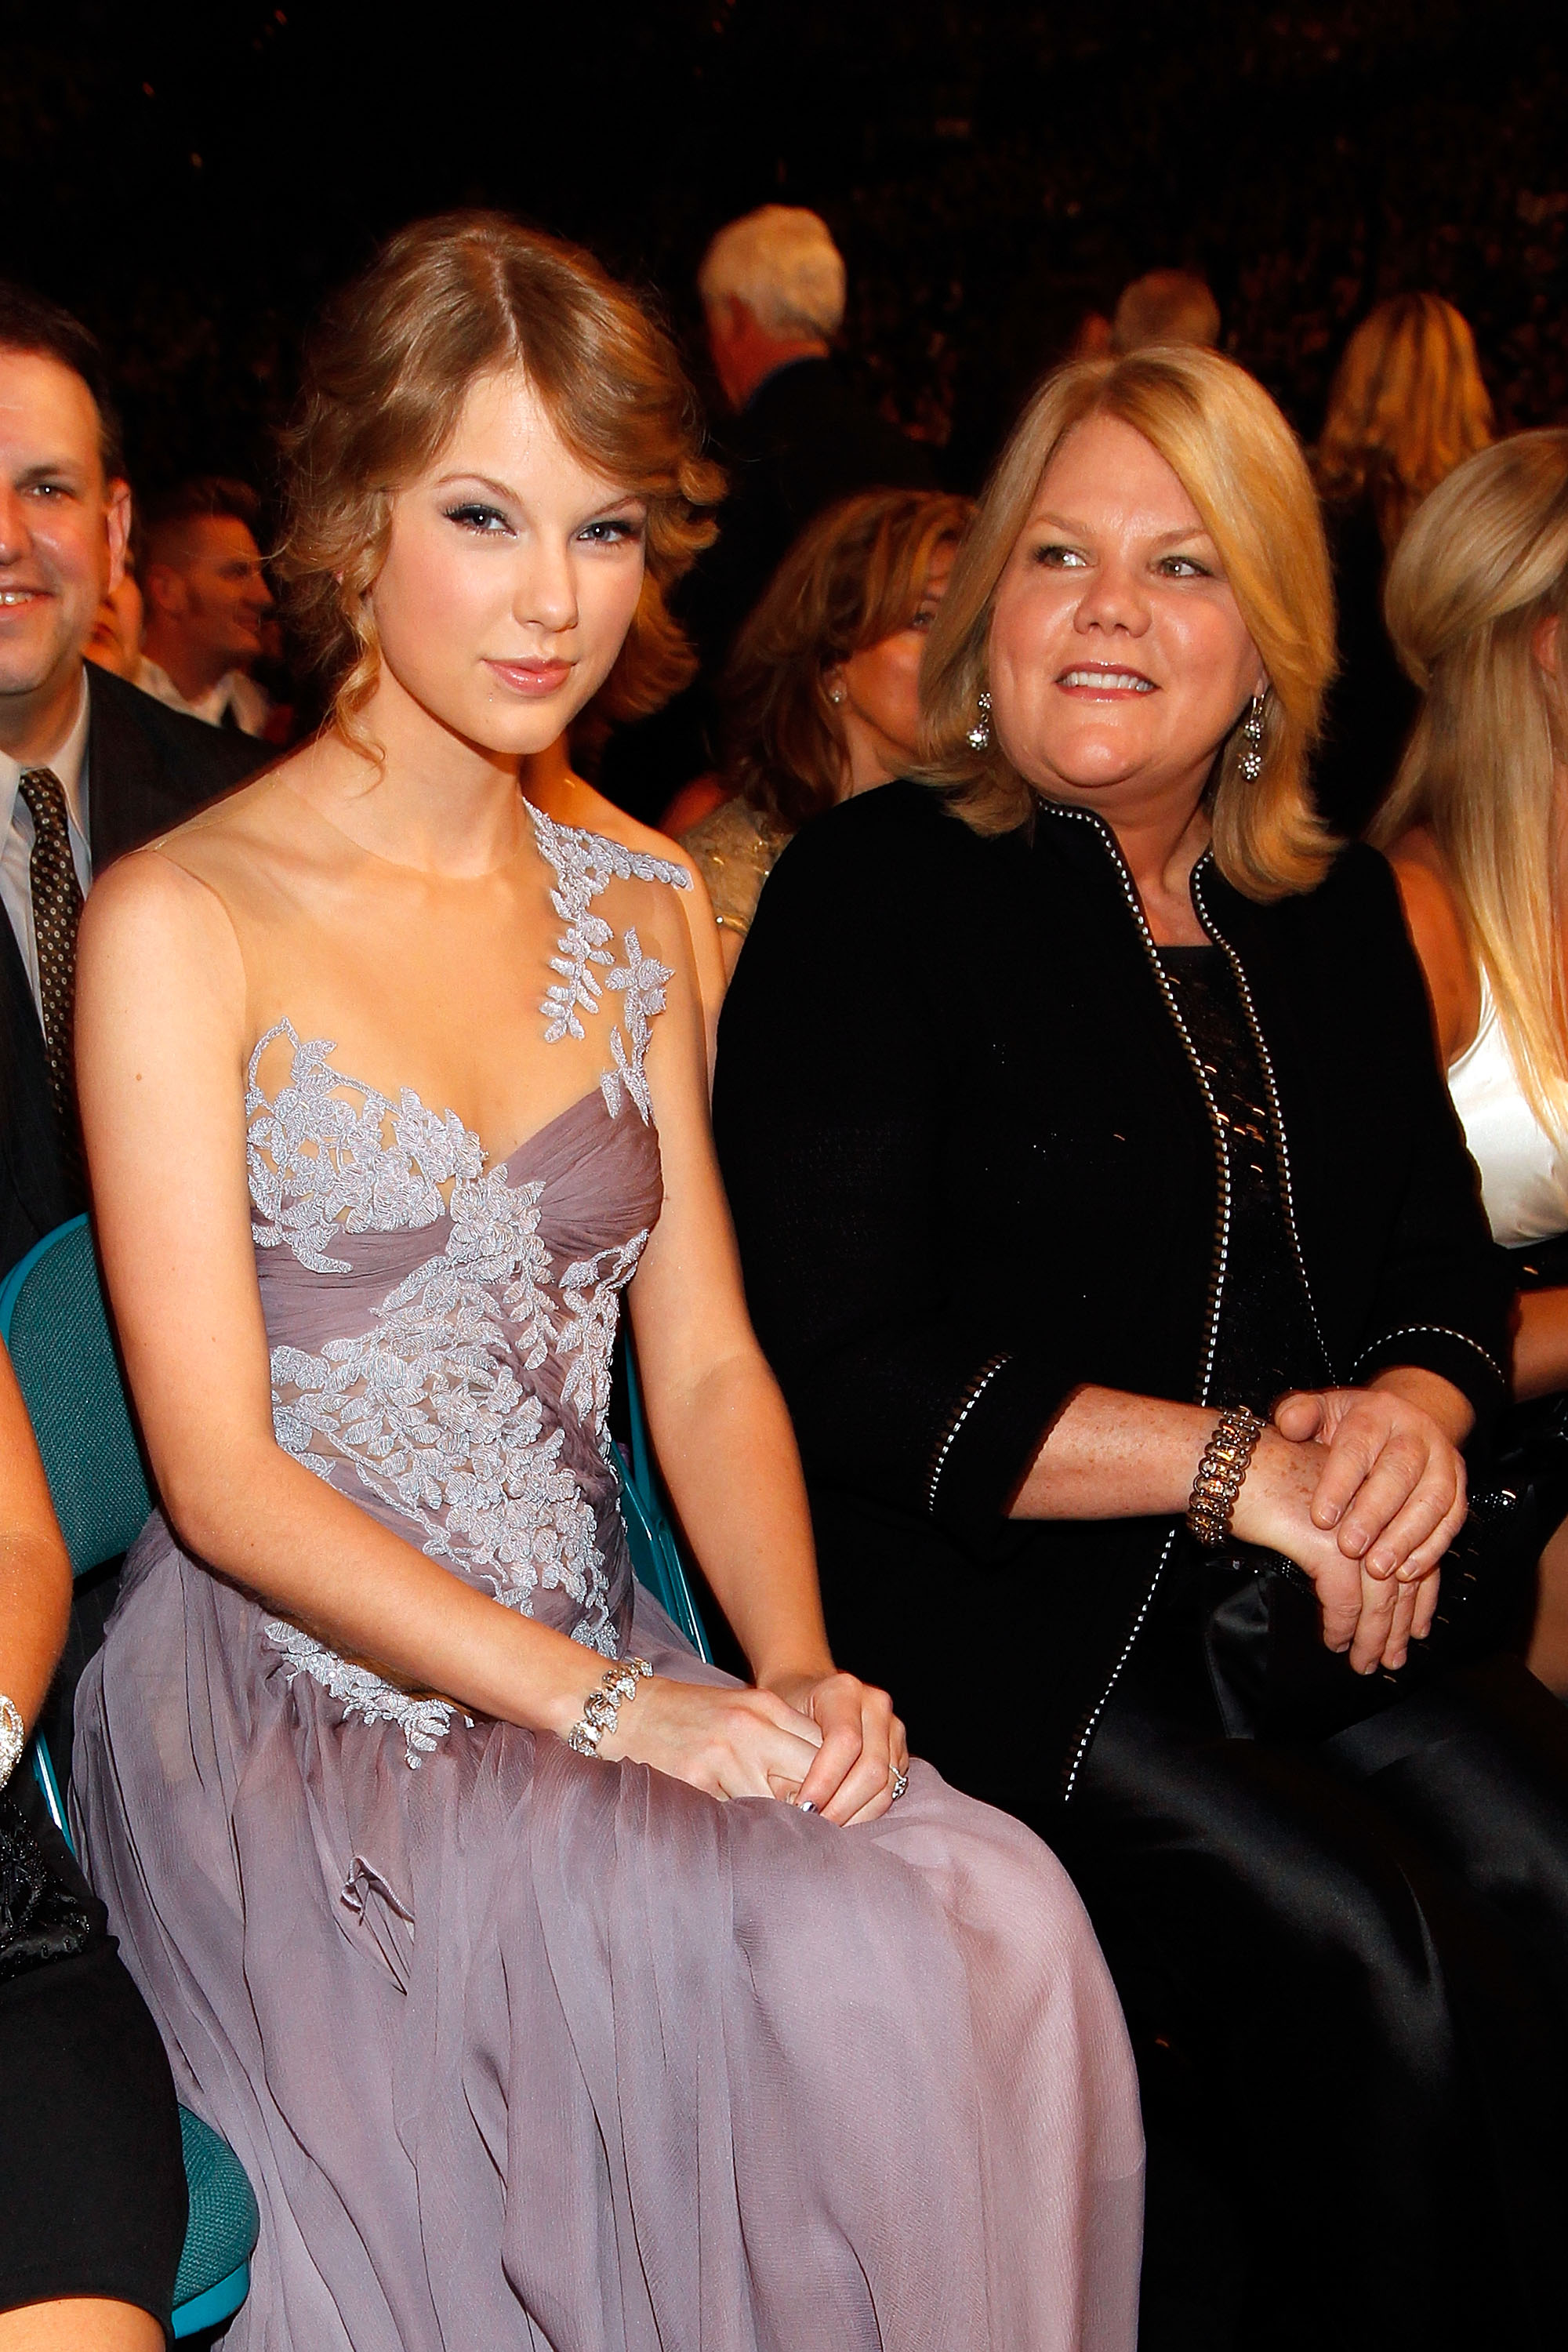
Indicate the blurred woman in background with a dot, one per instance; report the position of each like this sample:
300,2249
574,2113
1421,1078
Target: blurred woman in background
1475,828
822,695
1407,404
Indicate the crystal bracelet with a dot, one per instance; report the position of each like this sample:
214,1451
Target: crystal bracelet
13,1739
602,1707
1221,1469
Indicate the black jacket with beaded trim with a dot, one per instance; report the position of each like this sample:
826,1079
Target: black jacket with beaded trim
971,1169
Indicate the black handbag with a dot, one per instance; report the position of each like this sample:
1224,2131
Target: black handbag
43,1916
1274,1678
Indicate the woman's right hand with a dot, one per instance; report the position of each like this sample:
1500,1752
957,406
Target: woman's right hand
729,1742
1374,1618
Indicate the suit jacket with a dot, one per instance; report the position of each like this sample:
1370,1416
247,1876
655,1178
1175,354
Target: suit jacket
803,441
148,769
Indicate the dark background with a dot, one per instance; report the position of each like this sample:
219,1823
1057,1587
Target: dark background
192,181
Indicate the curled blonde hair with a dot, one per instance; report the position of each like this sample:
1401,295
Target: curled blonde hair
445,302
1239,463
1406,406
1483,563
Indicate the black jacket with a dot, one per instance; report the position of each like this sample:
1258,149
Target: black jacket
148,769
803,441
971,1169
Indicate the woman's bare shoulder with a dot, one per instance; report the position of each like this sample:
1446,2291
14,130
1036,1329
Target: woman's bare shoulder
1440,937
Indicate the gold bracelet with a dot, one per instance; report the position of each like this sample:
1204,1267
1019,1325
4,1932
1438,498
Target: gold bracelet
602,1707
1222,1470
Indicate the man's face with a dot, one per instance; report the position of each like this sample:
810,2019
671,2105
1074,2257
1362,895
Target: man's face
62,526
210,585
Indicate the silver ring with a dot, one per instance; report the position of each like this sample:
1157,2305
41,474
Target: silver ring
900,1782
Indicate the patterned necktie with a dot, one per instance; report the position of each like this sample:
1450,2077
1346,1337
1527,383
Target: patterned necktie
57,911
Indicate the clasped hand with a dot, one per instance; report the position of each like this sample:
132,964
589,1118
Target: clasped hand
1364,1491
828,1742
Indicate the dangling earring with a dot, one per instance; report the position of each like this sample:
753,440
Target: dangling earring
978,736
1251,761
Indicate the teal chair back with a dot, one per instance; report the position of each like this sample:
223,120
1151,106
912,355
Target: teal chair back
656,1556
55,1326
53,1322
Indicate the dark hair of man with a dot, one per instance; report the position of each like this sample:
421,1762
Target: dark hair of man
165,514
29,323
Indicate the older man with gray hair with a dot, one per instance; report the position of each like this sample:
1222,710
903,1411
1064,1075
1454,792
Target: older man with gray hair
773,288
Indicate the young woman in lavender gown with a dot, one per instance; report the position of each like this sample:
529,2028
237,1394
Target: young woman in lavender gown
392,1085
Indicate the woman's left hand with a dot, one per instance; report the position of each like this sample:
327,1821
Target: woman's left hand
1393,1484
863,1745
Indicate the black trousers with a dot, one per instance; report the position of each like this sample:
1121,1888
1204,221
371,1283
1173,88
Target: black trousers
1345,1966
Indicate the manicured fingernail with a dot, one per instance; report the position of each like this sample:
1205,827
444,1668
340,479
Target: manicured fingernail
1380,1562
1328,1514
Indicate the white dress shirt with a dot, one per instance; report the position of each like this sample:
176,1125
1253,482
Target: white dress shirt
235,694
70,764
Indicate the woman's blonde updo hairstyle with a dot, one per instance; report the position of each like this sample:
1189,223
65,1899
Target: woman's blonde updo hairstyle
1482,564
445,302
1240,464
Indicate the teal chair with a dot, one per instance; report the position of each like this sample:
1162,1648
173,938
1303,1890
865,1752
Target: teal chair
656,1556
52,1320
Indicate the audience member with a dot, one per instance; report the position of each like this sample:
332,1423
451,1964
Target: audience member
206,598
93,2187
116,640
88,767
1105,1218
1475,827
822,695
1406,406
680,2069
773,286
1168,306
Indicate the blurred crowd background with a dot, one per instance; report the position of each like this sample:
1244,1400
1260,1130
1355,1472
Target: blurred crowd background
191,183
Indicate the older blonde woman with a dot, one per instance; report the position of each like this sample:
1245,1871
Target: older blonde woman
1475,828
1106,1223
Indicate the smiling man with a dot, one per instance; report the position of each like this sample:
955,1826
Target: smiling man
89,767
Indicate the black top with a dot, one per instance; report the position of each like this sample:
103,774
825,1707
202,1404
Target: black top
1265,1341
1371,705
972,1168
148,769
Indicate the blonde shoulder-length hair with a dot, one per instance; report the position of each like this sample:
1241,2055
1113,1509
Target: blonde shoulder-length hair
1240,464
1407,404
1483,563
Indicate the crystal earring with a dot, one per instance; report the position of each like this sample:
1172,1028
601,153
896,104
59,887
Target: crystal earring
835,696
978,736
1251,760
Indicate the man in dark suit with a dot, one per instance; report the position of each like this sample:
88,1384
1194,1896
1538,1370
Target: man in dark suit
773,287
89,767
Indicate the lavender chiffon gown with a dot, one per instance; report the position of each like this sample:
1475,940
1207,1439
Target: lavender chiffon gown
519,2049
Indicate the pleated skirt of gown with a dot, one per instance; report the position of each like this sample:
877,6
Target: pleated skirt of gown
520,2049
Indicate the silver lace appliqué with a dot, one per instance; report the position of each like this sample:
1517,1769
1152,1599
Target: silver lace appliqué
585,864
422,1721
320,1163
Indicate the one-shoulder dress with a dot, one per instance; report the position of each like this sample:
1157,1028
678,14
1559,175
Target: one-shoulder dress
520,2048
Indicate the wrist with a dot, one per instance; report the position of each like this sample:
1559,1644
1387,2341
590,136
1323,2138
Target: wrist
1221,1475
788,1678
1447,1405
